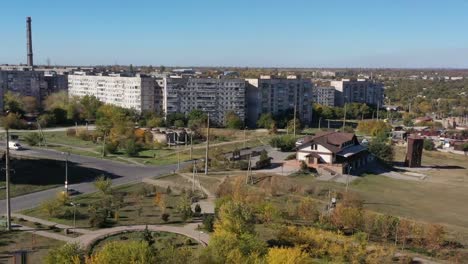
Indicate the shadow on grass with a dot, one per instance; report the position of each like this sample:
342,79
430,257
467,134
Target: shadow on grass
49,172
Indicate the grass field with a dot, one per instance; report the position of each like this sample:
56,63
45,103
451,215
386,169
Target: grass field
128,213
441,198
37,246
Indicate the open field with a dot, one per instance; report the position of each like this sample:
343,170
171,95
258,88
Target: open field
137,208
441,198
37,246
32,175
226,139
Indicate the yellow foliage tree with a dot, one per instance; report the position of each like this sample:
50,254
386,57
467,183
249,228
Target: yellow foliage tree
293,255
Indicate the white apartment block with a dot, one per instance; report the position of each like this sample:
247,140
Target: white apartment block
135,92
276,96
358,91
215,97
324,95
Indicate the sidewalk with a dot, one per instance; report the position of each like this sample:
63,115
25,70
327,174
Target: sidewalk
48,223
189,230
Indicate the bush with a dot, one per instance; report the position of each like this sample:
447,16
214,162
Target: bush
111,147
208,222
291,156
33,139
84,134
284,143
165,217
46,120
71,132
131,148
168,190
197,209
428,145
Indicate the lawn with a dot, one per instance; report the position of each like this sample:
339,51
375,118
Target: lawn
441,198
162,239
128,213
37,246
32,175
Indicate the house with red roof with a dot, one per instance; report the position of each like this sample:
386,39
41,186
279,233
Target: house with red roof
340,152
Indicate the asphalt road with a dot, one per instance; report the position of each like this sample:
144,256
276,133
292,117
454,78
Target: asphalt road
121,173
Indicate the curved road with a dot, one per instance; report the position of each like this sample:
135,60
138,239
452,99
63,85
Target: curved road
123,174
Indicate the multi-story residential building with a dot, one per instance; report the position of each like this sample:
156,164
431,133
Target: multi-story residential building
24,82
358,91
276,96
324,95
55,82
133,92
213,96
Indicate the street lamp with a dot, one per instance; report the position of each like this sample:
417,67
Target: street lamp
74,213
347,177
66,170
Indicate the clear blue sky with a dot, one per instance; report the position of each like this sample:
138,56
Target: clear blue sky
292,33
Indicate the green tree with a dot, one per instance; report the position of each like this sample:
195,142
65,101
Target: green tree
382,150
147,236
265,121
33,139
155,122
233,120
103,184
184,207
30,104
56,100
12,121
428,145
179,123
69,253
13,102
90,105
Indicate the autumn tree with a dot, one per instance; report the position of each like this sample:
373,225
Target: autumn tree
120,252
69,253
103,184
233,121
294,255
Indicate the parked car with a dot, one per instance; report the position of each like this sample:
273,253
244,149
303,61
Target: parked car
14,145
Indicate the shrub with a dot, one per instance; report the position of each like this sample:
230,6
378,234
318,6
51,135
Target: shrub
197,209
33,139
165,217
84,134
428,145
208,222
131,148
284,143
71,132
111,147
168,190
291,156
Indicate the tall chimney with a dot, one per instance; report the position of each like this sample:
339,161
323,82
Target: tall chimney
29,41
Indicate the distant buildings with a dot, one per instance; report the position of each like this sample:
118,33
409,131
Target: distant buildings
213,96
133,92
276,96
358,91
324,95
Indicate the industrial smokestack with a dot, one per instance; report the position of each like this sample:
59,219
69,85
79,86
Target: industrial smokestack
29,41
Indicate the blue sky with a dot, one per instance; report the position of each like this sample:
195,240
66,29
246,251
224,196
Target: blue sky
293,33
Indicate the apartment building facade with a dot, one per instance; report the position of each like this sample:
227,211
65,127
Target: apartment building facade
276,96
24,82
132,92
213,96
324,95
358,91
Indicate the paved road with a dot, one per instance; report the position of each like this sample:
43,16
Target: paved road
52,129
122,173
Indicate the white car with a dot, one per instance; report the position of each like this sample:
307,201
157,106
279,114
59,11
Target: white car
14,145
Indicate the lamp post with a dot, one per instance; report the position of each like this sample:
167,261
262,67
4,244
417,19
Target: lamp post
347,177
74,214
66,170
7,175
245,136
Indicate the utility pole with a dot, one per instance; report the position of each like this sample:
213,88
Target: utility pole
104,145
178,160
347,178
191,145
207,144
320,121
7,179
247,178
344,117
378,106
245,136
66,172
295,108
328,124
